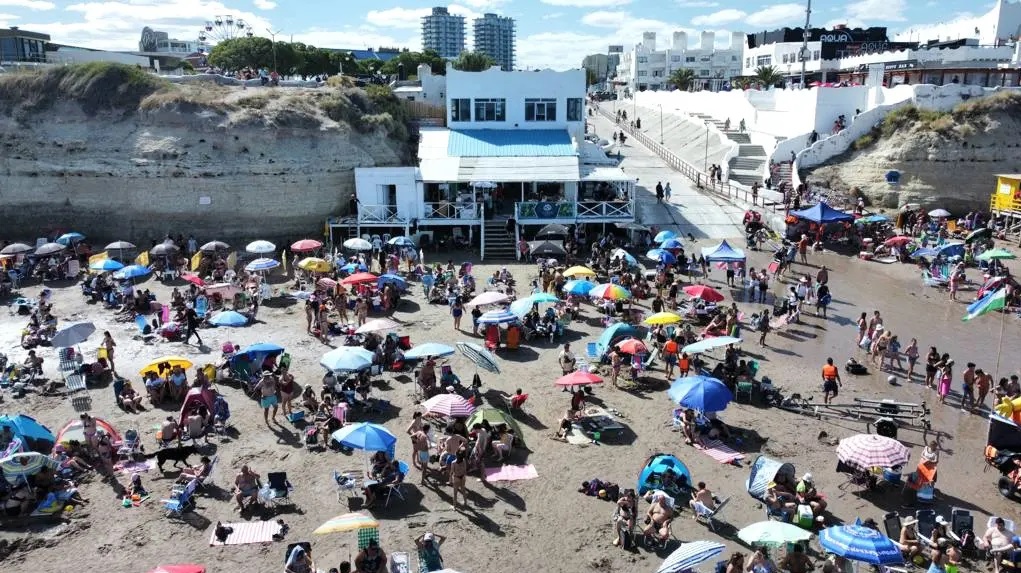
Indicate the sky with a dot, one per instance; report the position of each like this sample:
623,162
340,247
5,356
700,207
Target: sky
550,33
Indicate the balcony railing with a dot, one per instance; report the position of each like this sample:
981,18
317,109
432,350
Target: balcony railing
380,214
606,210
451,211
532,210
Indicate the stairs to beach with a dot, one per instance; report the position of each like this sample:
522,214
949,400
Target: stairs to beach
746,168
499,246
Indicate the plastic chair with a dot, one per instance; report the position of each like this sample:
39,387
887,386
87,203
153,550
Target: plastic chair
926,522
744,388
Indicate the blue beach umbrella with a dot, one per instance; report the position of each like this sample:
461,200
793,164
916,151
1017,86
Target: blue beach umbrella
346,359
543,298
106,265
579,288
70,238
672,244
365,436
664,236
434,349
479,356
229,318
132,272
263,348
859,543
262,264
498,317
661,255
701,393
351,268
401,242
396,280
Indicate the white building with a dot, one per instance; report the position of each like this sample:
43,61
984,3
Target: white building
443,33
645,67
513,148
156,42
998,26
428,88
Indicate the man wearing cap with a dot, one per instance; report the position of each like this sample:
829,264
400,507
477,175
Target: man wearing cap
909,544
429,550
807,495
372,559
939,531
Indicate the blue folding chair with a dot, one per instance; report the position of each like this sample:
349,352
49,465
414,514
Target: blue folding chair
181,500
397,487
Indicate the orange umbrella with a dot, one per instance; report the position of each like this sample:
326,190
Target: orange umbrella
703,292
632,346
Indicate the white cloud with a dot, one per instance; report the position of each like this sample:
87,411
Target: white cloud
696,4
484,4
605,19
262,4
877,10
716,18
29,4
411,18
587,3
778,15
552,15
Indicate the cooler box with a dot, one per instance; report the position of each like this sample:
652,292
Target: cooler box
804,518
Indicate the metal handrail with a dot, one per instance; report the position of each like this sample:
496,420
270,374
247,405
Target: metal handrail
451,211
379,214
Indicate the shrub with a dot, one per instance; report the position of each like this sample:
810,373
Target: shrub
863,142
96,86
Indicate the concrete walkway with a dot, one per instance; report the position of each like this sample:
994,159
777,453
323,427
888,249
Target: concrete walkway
689,211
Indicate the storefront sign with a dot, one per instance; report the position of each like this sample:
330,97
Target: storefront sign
842,37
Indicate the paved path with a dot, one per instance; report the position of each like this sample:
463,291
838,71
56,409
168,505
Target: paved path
689,210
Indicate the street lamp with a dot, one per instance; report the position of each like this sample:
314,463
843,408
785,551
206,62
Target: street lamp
273,37
705,166
661,124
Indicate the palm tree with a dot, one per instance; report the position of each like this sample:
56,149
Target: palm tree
473,62
683,78
768,76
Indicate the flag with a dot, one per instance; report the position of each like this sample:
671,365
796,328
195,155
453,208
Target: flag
232,260
98,257
992,301
142,259
196,260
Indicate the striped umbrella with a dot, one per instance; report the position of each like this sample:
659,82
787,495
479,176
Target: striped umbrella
347,522
610,291
450,405
262,264
482,358
25,464
578,287
688,555
859,543
498,317
872,451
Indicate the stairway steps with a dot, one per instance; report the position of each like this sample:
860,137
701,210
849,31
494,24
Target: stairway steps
752,151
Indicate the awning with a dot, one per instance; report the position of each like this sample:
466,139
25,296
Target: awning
541,169
601,173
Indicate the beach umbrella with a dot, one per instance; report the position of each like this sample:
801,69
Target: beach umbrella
132,272
167,362
521,307
347,522
498,317
357,244
671,244
74,431
773,533
939,213
859,543
315,265
579,287
262,348
578,378
995,254
664,236
579,271
401,242
225,290
481,357
706,293
688,555
25,464
346,359
396,280
924,252
610,291
450,405
358,278
662,256
898,241
164,249
663,318
327,283
119,246
622,254
701,393
871,219
488,297
213,246
16,249
260,247
354,268
631,346
106,265
542,298
262,264
229,318
49,249
305,245
546,249
73,335
193,279
377,325
552,230
365,436
184,568
866,451
709,344
70,238
434,349
978,234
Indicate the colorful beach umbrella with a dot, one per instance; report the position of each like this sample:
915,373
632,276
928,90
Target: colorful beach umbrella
365,436
359,278
898,241
262,264
578,378
184,568
702,393
305,245
706,293
661,318
450,405
866,451
392,279
578,287
434,349
481,357
261,247
25,464
166,362
354,268
347,522
401,242
193,279
664,236
710,343
357,244
773,533
229,318
498,317
346,359
859,543
315,265
995,254
70,238
327,283
688,555
579,271
610,291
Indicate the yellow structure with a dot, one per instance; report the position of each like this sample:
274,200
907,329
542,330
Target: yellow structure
1006,202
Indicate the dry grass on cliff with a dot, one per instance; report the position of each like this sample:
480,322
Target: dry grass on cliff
95,86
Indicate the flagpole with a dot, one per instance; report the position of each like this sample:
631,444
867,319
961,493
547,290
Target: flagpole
999,346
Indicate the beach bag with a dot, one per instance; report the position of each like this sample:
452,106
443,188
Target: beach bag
865,342
825,299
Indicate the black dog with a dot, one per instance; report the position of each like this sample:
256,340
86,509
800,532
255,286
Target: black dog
179,455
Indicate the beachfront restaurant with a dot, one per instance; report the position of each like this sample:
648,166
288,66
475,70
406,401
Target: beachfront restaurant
467,179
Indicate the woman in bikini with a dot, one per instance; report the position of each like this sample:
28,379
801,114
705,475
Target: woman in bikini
458,476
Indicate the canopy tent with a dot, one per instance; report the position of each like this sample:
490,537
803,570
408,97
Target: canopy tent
34,437
764,471
658,464
723,253
496,417
615,332
822,213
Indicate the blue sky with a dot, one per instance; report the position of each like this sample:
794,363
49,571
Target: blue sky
551,33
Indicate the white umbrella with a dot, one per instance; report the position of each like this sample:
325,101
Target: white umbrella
490,297
710,343
938,213
261,247
357,244
688,555
376,325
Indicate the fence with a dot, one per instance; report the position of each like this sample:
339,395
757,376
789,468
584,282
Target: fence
424,110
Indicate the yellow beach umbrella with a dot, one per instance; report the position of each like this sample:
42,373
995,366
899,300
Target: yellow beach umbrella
167,361
315,265
663,318
347,522
579,271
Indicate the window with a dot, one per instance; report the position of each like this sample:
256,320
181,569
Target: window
785,58
689,59
540,110
733,58
675,58
764,60
642,59
490,109
657,73
705,58
574,109
642,72
747,62
704,73
460,110
815,55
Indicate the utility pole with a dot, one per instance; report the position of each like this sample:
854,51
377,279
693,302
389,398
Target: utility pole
273,38
804,42
705,166
661,124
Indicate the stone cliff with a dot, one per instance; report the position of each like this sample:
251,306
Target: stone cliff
116,154
945,159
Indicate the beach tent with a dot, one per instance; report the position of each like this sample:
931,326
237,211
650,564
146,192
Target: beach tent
616,331
73,431
33,436
764,471
723,253
496,417
658,464
822,213
196,396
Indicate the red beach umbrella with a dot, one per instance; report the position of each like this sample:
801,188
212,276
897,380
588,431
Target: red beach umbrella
703,292
305,245
578,378
359,278
193,279
632,346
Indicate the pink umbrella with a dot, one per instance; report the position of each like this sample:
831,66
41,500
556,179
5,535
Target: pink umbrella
305,245
578,378
632,346
187,568
193,279
898,241
450,405
327,283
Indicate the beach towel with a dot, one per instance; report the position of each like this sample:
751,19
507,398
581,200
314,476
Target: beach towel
511,473
719,451
246,532
132,467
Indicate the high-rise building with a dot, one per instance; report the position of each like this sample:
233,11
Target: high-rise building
494,36
443,33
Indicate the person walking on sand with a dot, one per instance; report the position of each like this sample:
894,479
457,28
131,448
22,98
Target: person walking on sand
267,387
420,445
192,321
108,345
763,327
830,381
458,477
457,310
911,352
615,364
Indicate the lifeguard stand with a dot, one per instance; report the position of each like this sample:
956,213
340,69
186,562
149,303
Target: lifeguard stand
1006,202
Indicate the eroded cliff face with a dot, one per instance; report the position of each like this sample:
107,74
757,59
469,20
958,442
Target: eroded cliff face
254,164
951,168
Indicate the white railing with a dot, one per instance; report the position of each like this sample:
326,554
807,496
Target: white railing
606,210
380,214
445,210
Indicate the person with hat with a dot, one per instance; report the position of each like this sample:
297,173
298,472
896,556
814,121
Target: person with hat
909,544
371,559
429,550
808,495
939,532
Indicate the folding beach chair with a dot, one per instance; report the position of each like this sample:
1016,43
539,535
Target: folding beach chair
396,488
181,500
278,490
710,517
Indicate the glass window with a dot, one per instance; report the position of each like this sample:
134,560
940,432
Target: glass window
491,109
574,109
689,59
460,110
763,60
815,55
642,72
540,110
675,58
704,73
642,59
733,58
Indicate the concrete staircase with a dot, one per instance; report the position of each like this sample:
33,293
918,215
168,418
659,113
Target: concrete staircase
782,174
746,168
499,246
